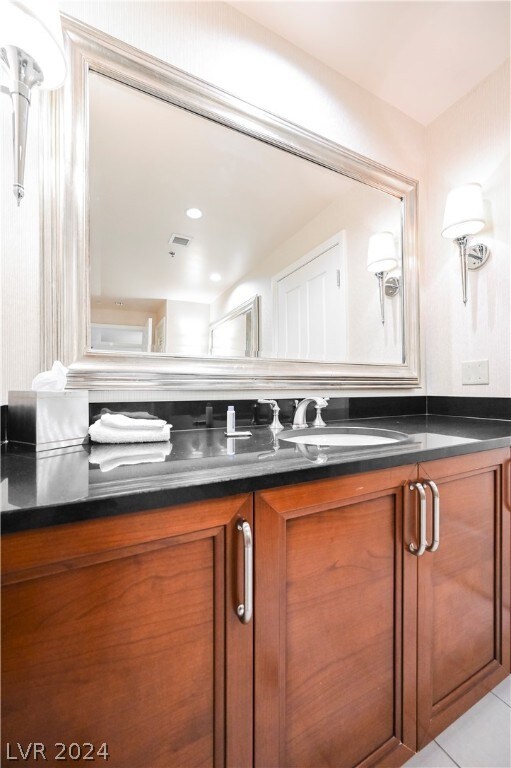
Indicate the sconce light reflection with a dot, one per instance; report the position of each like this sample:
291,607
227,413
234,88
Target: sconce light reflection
32,53
381,258
464,216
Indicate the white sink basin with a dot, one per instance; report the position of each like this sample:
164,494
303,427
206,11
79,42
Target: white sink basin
347,437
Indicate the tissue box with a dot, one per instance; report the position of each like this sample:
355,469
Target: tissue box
46,420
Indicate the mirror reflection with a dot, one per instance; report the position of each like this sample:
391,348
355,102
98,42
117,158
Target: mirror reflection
207,242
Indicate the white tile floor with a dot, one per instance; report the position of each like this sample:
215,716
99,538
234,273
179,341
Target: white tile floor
481,738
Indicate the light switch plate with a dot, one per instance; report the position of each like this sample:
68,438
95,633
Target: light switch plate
475,372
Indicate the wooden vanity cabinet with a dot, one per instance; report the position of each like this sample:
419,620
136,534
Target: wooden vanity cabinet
124,631
365,651
463,597
331,657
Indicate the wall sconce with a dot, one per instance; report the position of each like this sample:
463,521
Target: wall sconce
381,258
32,52
464,216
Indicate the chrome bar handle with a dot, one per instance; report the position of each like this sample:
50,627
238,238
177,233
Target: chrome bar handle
436,516
244,610
423,543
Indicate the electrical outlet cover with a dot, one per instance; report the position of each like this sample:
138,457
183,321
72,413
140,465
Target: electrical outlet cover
475,372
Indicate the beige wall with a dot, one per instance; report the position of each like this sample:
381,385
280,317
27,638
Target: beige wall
187,328
20,262
121,316
469,142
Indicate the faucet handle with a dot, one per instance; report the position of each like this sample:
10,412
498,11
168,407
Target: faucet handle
318,421
276,425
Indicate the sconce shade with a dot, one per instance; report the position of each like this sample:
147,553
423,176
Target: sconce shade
34,27
381,253
464,211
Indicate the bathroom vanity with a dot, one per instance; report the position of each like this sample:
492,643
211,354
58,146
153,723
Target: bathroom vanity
124,627
240,603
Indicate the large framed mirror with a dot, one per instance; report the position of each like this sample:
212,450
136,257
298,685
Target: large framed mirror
170,204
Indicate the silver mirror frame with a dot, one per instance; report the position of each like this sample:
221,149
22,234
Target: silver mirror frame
250,309
65,327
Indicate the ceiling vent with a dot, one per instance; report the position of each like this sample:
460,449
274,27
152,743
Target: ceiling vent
179,239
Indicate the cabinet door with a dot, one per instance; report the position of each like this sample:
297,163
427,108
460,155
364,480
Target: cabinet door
329,663
463,595
124,631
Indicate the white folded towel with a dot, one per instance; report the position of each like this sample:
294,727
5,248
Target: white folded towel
112,456
101,434
118,421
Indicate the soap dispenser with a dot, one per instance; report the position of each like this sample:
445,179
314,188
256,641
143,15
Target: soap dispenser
231,419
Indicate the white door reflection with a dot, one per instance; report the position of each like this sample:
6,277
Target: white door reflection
310,305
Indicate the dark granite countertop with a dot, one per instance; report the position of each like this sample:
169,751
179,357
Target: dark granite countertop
97,481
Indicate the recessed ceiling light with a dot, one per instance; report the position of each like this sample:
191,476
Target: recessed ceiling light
215,277
194,213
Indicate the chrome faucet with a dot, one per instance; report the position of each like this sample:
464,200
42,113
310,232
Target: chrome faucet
299,421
